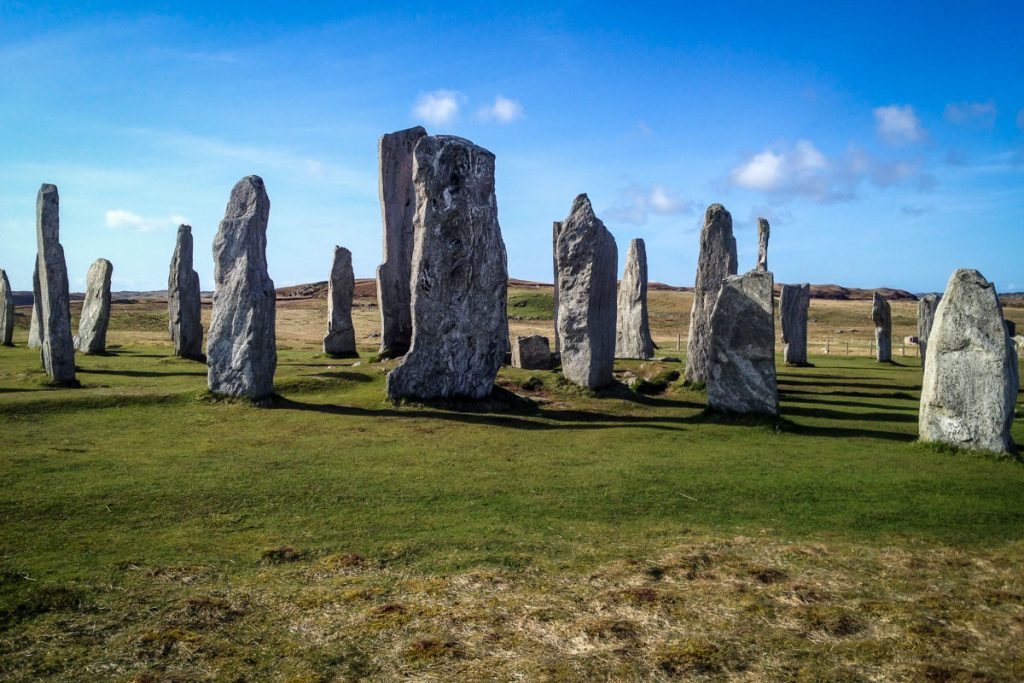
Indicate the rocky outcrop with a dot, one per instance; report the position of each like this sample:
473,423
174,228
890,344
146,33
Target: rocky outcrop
340,341
881,314
184,300
764,231
57,344
926,307
531,353
793,304
632,331
95,318
6,311
717,261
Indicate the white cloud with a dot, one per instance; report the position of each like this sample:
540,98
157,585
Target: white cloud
763,172
503,110
438,107
119,219
898,124
637,202
769,171
976,113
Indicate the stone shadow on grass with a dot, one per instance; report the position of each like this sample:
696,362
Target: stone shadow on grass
141,373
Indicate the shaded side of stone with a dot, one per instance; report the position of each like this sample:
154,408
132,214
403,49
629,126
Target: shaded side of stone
184,299
632,331
881,314
926,307
793,304
556,229
6,311
340,341
531,353
58,347
35,334
95,318
716,261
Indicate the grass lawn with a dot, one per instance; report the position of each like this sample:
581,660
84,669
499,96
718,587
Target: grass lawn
149,533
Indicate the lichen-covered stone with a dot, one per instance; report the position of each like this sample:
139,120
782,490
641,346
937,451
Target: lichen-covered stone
340,341
716,261
632,331
184,300
926,306
764,231
6,311
58,346
793,303
881,314
92,324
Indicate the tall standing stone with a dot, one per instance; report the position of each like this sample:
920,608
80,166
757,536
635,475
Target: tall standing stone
184,300
459,276
58,347
398,207
6,311
556,229
793,304
92,324
971,376
341,335
240,348
926,307
35,333
763,232
717,261
881,313
587,261
632,332
741,372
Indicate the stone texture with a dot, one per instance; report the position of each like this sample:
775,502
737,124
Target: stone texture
459,275
881,314
6,311
556,230
1011,328
971,376
632,332
531,353
240,348
926,306
793,304
340,341
58,347
741,377
184,300
717,261
35,334
398,207
763,233
587,261
92,324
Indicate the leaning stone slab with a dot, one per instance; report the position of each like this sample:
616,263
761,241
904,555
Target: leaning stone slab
6,311
58,347
793,304
741,376
240,348
716,261
926,306
632,331
587,261
95,318
35,334
971,375
764,231
184,300
459,276
881,314
340,341
531,353
398,206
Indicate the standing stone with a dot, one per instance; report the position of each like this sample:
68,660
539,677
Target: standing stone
971,377
717,261
58,347
741,374
793,304
1011,328
556,230
240,348
459,276
531,353
587,261
926,306
340,341
6,311
184,302
398,207
632,333
763,232
92,324
35,334
881,313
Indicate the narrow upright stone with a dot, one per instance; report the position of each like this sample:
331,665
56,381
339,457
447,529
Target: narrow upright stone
6,311
58,347
717,261
184,303
763,232
240,348
556,229
882,316
971,377
926,307
587,261
741,377
340,341
793,304
92,325
459,276
398,206
35,333
632,333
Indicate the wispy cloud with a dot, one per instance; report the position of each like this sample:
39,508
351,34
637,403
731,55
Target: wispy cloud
120,219
502,110
898,124
972,113
637,202
439,107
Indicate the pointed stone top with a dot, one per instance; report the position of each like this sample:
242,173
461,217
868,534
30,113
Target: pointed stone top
247,197
582,203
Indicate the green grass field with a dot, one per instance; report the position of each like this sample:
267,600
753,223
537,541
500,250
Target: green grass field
149,533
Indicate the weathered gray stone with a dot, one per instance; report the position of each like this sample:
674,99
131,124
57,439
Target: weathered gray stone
58,347
793,303
556,230
92,324
1019,342
587,261
340,341
1011,328
459,276
6,311
881,314
632,332
717,261
240,347
971,375
741,377
184,300
35,333
398,207
926,306
763,232
531,353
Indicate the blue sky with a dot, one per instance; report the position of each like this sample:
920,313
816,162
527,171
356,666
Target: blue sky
885,142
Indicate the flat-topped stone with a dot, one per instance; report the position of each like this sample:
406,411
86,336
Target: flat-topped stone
793,304
531,353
